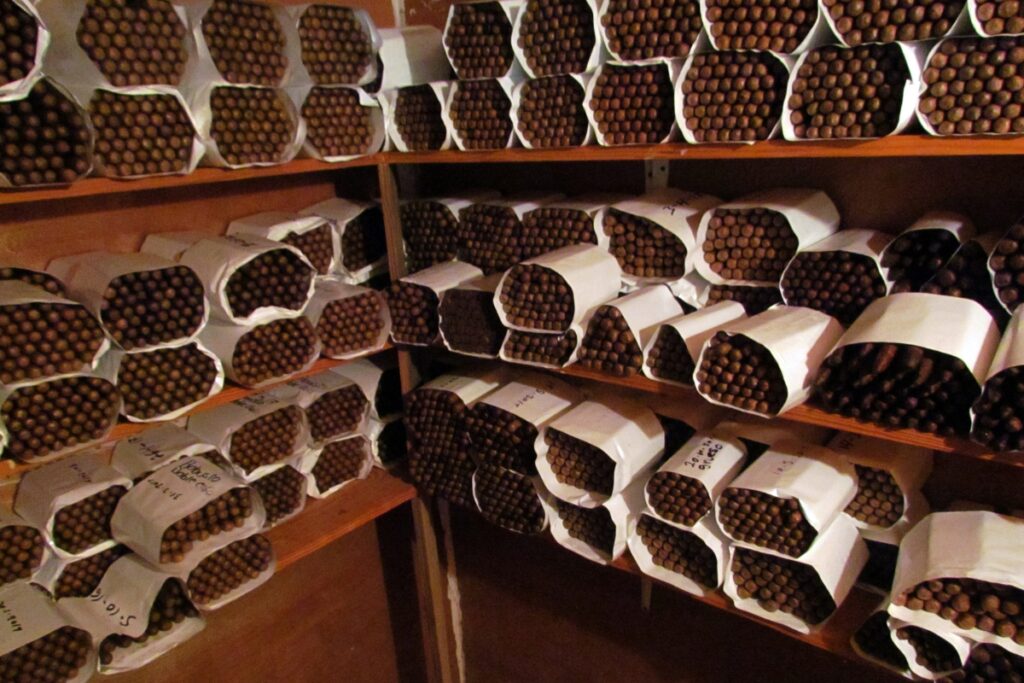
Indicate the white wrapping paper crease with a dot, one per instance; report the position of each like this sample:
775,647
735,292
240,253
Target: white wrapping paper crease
439,279
412,55
518,103
44,491
692,290
511,9
621,509
628,433
957,327
88,276
797,338
219,425
378,130
170,494
694,329
278,225
978,545
342,212
591,273
645,310
913,58
574,332
222,338
672,68
961,646
142,453
389,105
870,243
17,293
30,615
820,480
507,85
311,457
598,53
909,467
309,390
42,45
706,531
486,284
330,290
810,214
714,460
677,211
121,604
249,586
837,556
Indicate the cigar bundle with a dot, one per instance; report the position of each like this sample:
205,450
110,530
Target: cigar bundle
143,133
1006,263
886,22
65,152
430,228
467,320
380,380
283,492
597,449
754,299
73,501
342,123
969,86
23,549
413,301
260,354
339,44
918,253
664,30
874,641
838,275
987,662
231,572
966,275
414,117
670,354
619,330
360,225
561,223
491,233
314,236
600,533
631,104
478,39
37,278
997,420
508,499
43,646
542,349
694,559
249,126
549,112
479,114
781,26
923,374
23,41
43,421
245,41
867,91
553,37
78,578
336,464
350,320
335,405
731,96
930,654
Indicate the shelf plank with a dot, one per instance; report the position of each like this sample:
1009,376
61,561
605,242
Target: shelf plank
326,520
833,637
10,470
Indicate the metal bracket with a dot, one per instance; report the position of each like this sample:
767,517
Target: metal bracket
655,174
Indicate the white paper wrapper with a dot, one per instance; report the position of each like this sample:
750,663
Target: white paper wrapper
28,616
342,212
979,545
672,69
172,493
486,284
276,226
909,467
797,338
870,243
43,492
507,85
438,279
644,310
710,458
308,390
218,425
121,604
140,454
820,32
389,104
810,214
677,211
837,556
626,432
962,646
506,353
709,534
270,524
222,338
376,122
17,293
913,55
589,271
694,329
330,290
598,54
311,457
42,44
945,324
874,660
511,8
249,586
511,478
701,46
412,55
692,290
621,508
517,103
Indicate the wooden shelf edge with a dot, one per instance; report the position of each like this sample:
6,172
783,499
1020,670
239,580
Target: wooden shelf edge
326,520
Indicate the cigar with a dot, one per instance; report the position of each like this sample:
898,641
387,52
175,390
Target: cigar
839,283
1007,263
156,57
81,577
966,276
363,243
678,498
548,229
86,523
140,135
152,307
274,350
557,36
551,112
19,35
678,551
867,22
413,313
21,552
875,639
418,118
439,460
749,244
741,373
229,569
593,526
501,438
509,500
609,345
282,492
44,281
478,39
480,113
776,25
879,499
932,652
276,278
317,245
643,248
251,125
337,412
246,42
171,607
633,105
487,237
336,47
155,383
351,324
43,339
733,96
999,18
267,439
224,513
337,124
542,348
430,231
649,29
469,322
576,463
781,585
999,424
537,298
57,656
991,607
669,358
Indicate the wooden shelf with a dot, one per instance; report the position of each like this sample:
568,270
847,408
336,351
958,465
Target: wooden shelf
326,520
10,469
833,637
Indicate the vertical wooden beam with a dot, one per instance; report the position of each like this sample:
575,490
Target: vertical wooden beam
431,574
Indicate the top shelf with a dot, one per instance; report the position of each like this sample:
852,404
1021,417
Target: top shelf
894,146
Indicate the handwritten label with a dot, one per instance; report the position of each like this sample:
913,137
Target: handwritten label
191,472
704,455
85,476
783,465
529,397
122,617
10,618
